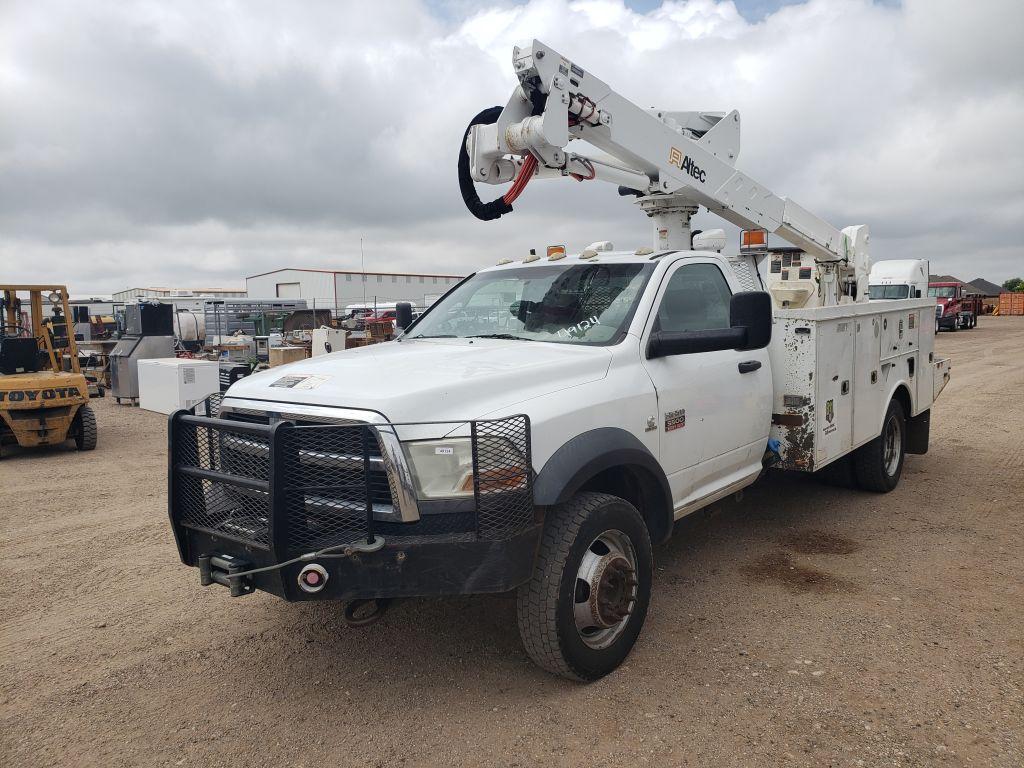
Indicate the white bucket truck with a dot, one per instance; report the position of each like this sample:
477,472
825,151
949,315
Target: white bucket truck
549,419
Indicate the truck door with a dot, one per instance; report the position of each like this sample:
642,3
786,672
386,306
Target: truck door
714,413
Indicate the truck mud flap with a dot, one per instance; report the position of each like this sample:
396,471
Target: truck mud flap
918,430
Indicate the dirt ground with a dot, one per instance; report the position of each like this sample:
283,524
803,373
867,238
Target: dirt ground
804,625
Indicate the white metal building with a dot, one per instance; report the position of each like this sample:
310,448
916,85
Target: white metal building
131,294
337,288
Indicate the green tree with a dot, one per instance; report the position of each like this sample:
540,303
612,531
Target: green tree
1014,284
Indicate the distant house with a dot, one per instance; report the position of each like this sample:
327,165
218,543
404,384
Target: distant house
985,288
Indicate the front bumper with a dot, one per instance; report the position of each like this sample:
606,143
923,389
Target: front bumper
257,495
945,320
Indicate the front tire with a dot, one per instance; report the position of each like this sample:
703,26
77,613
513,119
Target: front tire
879,464
85,429
585,604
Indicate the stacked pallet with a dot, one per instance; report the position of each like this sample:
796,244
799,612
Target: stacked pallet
1011,304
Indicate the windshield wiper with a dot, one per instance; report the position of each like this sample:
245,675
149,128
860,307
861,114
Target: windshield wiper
438,336
498,336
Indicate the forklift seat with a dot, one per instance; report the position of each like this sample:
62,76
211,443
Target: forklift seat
18,355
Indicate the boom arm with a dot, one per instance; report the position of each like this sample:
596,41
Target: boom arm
674,160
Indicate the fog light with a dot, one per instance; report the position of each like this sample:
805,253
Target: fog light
312,578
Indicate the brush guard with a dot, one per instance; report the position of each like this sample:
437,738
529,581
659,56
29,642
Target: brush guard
245,496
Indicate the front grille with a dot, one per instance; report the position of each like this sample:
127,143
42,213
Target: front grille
325,456
329,480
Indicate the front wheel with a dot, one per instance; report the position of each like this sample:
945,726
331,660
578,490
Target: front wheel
85,429
879,464
582,609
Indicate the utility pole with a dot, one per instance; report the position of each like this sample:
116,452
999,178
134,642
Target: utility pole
362,266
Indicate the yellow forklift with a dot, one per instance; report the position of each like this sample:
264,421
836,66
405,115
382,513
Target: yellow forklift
44,396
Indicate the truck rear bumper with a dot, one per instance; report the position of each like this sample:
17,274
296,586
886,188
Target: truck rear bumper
269,500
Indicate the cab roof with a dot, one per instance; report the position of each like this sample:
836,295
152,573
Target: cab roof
639,256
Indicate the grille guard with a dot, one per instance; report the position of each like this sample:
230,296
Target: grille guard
281,489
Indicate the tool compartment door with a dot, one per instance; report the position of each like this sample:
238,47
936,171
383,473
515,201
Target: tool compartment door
867,383
834,391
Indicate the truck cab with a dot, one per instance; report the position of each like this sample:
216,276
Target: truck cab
955,308
898,279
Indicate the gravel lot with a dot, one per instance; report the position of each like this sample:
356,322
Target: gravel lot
803,625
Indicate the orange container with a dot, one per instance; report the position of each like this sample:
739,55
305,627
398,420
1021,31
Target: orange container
1011,304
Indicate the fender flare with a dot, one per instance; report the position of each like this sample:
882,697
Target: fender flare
588,454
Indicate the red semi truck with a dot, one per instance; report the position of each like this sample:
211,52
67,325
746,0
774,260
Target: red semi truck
954,307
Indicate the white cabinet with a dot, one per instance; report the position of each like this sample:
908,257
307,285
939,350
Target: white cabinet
172,383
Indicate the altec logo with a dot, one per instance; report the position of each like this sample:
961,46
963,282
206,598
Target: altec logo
684,163
32,395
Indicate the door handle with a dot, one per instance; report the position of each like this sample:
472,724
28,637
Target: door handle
749,365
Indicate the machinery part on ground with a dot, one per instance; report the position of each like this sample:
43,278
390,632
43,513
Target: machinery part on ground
149,334
583,607
879,464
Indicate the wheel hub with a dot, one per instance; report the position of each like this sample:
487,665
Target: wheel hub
893,445
606,589
611,599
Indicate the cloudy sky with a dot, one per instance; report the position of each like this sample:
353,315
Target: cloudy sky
193,143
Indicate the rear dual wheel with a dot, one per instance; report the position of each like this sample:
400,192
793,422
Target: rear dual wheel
879,464
585,604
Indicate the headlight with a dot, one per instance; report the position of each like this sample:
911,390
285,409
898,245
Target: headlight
443,469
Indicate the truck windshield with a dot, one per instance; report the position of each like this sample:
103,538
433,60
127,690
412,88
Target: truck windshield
889,291
566,303
942,291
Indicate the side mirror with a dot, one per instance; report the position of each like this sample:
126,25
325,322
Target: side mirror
752,311
750,315
403,315
666,343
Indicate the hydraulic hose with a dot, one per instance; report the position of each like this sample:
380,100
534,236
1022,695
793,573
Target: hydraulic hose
483,211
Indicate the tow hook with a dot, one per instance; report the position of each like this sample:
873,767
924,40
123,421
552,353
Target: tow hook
363,613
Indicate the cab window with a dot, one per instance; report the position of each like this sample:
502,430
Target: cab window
695,299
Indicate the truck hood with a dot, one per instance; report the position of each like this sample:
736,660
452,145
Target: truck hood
429,379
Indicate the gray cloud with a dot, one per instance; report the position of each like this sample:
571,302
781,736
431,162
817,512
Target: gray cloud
194,143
